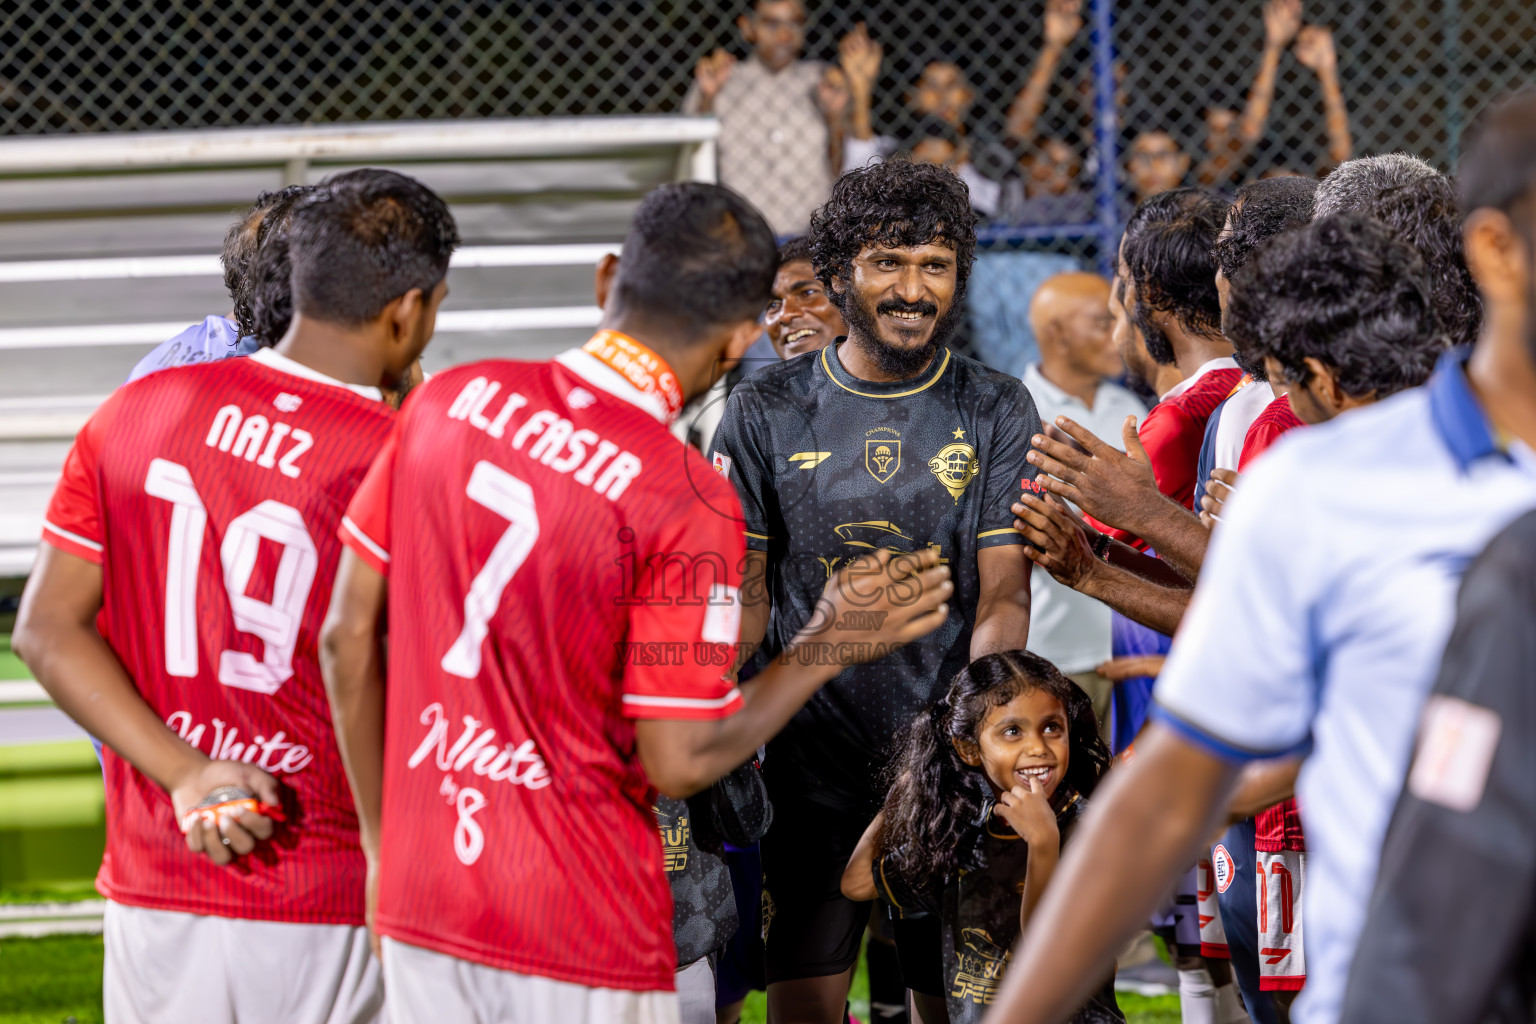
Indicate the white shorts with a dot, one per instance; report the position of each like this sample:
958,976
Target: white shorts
696,993
1213,937
166,965
426,987
1282,957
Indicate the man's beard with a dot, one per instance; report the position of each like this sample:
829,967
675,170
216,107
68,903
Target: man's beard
1158,345
893,361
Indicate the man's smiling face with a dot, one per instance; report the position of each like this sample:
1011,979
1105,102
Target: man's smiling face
901,301
800,318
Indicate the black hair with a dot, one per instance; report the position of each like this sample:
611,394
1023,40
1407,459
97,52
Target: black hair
1498,162
355,244
1260,210
1426,213
244,240
1346,291
697,256
1168,244
795,249
935,798
897,204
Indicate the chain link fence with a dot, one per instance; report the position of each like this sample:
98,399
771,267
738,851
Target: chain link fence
1211,92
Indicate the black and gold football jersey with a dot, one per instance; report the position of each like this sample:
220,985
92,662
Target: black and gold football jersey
830,467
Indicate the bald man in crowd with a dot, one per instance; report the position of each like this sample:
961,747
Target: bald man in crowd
1073,326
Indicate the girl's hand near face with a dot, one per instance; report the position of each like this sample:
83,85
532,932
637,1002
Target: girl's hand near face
1027,809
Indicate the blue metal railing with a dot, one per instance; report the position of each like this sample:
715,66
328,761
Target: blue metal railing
1105,228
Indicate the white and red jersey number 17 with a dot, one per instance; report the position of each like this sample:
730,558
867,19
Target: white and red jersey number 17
275,623
512,499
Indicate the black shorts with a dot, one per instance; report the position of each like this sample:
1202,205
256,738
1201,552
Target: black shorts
812,929
920,951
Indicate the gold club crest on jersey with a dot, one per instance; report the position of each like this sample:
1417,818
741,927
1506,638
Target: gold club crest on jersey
955,466
982,962
882,453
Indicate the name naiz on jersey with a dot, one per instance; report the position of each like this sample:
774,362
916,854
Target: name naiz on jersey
559,445
257,440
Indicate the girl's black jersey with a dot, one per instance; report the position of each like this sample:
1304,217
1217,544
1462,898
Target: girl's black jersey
980,914
830,467
703,905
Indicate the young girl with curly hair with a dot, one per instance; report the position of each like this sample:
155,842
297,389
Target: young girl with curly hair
989,784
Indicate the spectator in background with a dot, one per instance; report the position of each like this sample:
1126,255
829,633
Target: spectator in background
1075,331
940,105
1157,163
775,145
1314,49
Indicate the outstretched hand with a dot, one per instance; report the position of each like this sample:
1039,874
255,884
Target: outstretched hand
1063,21
1282,20
712,72
1314,49
1059,545
1114,487
885,599
860,58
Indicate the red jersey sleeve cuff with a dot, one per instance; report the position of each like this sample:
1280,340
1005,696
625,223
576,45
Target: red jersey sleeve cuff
72,543
644,705
364,546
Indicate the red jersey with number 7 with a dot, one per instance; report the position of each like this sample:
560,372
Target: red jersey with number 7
559,565
210,496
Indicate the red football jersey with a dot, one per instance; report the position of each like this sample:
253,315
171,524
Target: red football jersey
1173,432
1277,418
559,565
210,496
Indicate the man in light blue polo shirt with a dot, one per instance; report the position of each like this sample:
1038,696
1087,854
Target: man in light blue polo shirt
1318,625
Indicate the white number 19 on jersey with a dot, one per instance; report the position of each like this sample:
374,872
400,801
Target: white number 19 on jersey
275,623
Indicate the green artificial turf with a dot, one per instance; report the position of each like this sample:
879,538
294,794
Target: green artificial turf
1138,1009
10,665
51,980
58,979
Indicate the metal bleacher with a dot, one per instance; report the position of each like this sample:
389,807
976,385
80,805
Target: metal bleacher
109,244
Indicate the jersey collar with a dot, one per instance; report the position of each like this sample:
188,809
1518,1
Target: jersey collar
1222,363
1458,417
596,373
273,359
833,367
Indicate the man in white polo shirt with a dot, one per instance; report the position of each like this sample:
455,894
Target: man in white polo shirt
1072,323
1318,625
